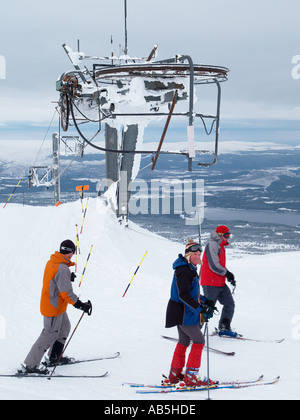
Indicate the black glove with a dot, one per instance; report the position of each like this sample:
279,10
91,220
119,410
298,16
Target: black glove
230,278
86,307
73,276
208,302
207,312
207,308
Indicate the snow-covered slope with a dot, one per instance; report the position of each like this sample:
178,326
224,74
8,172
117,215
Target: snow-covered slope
267,306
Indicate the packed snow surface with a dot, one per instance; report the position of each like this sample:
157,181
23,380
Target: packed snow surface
267,307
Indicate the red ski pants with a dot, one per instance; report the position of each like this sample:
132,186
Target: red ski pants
194,359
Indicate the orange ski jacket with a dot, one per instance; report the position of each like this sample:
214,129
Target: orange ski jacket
57,291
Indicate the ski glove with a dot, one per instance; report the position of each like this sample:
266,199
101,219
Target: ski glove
207,308
207,313
230,277
86,307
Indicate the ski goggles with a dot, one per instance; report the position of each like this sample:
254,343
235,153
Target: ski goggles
65,248
194,248
226,235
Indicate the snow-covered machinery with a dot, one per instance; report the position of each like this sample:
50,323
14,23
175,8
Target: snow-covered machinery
121,95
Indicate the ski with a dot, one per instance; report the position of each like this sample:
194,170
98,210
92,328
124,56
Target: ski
75,361
36,375
240,337
169,385
205,388
225,353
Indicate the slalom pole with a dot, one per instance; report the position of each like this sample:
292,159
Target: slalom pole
87,202
87,260
77,239
77,248
81,201
76,253
135,273
82,188
12,192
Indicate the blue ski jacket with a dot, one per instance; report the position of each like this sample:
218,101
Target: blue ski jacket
184,305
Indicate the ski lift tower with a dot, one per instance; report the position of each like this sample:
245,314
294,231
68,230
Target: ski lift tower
47,176
121,95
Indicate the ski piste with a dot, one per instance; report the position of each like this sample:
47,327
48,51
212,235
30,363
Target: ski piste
225,353
75,361
166,386
240,337
205,388
36,375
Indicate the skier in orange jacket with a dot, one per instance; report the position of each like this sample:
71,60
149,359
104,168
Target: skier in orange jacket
57,293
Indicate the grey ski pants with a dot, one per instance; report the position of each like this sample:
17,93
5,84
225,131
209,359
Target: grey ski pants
186,333
224,296
55,329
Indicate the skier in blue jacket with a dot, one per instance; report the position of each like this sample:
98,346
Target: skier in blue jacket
187,310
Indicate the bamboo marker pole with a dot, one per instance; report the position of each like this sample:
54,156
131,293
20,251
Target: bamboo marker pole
87,260
87,202
134,274
12,192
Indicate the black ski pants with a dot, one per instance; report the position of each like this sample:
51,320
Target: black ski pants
224,296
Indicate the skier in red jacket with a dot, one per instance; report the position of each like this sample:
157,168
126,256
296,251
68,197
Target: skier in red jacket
213,277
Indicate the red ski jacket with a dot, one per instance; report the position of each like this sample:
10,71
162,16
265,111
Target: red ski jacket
213,269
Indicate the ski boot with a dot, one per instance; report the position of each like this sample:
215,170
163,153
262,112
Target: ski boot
26,370
191,379
225,329
55,356
175,376
64,360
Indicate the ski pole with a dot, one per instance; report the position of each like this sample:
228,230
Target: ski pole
87,260
207,352
135,273
64,349
12,192
87,202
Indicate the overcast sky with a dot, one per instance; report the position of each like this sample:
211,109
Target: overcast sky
255,39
